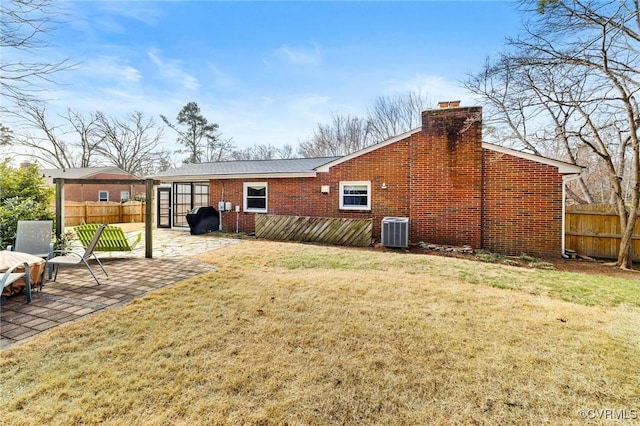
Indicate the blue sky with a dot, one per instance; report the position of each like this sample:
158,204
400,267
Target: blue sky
268,72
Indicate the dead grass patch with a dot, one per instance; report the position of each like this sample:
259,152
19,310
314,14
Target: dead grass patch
298,334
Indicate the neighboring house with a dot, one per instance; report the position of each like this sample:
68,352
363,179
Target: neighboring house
454,188
95,192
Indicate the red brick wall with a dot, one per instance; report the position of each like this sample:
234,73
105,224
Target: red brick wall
303,196
522,206
74,192
446,177
434,177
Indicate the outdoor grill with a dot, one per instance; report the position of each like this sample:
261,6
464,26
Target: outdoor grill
202,220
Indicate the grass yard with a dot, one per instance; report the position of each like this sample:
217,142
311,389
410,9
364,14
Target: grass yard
289,333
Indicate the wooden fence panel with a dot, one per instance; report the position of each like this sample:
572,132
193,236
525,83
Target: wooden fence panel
103,212
594,230
74,213
346,232
78,213
133,211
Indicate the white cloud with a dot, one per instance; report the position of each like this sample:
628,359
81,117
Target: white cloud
310,106
219,79
112,67
100,18
299,55
171,70
142,11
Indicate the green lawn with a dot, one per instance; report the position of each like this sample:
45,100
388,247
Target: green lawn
289,333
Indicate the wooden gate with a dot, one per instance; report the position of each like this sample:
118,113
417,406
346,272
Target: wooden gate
336,231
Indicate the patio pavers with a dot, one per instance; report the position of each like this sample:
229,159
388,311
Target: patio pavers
75,293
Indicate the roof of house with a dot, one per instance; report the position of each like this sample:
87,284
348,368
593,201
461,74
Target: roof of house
308,167
81,173
292,167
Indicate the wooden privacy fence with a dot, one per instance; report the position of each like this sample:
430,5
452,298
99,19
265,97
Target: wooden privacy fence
345,232
594,230
78,213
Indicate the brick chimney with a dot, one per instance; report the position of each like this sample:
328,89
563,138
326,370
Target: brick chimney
446,176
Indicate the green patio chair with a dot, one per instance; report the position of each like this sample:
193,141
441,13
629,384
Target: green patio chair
112,238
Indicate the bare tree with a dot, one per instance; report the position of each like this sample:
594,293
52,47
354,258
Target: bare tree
54,145
343,136
577,70
24,28
77,141
131,144
519,114
391,116
286,151
388,117
263,152
87,132
218,149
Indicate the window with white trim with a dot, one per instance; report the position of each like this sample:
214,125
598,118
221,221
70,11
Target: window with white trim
103,195
255,197
355,195
124,195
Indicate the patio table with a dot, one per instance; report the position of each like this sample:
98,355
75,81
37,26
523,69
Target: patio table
36,269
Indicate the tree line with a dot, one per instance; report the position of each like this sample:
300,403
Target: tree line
134,142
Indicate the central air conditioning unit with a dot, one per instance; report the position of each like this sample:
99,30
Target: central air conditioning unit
395,232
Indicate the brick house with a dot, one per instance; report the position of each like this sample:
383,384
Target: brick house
454,188
95,192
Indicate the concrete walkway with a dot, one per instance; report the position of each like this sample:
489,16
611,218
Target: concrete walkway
75,293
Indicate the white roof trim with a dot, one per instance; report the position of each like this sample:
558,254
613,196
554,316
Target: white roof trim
563,167
207,177
325,167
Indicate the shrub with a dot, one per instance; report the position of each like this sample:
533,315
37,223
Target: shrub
24,195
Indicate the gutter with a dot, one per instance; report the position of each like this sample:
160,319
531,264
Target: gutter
565,180
208,177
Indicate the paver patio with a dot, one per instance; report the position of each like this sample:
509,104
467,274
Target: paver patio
75,294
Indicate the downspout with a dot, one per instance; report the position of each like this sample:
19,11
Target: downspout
410,154
565,180
220,210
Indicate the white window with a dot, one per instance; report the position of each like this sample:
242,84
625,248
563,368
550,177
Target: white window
103,195
355,195
255,197
124,195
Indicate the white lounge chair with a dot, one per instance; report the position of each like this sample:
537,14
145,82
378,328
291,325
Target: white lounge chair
9,277
70,258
